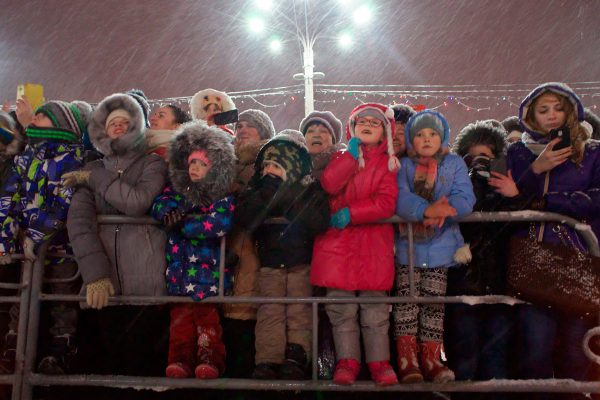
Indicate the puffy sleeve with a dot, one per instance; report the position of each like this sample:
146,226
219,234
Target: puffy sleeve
47,210
132,200
82,226
338,172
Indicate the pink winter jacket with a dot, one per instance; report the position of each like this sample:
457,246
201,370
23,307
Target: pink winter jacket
360,256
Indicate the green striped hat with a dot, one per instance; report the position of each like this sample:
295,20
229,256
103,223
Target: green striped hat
70,121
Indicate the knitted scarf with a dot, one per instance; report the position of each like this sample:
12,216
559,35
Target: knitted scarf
157,138
424,183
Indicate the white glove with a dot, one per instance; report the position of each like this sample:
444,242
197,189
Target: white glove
28,252
97,293
463,255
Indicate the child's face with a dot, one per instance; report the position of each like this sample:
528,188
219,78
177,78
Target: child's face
246,133
399,139
318,138
479,149
272,169
369,130
197,170
117,127
549,112
427,142
40,120
163,118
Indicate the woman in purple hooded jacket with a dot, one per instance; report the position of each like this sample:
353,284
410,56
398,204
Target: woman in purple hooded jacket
564,181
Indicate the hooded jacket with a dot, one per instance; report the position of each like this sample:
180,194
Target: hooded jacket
452,181
573,190
193,248
124,182
485,274
32,198
360,256
303,203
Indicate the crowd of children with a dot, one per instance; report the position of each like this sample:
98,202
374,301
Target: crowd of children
215,174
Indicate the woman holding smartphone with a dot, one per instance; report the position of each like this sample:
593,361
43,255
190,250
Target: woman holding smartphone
566,181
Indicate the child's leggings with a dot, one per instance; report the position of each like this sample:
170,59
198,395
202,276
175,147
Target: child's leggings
423,320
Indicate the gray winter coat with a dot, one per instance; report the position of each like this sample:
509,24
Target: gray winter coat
124,182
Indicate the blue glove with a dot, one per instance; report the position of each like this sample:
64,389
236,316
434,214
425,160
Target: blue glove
340,219
353,145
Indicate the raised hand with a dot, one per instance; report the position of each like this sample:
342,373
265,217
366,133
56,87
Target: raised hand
504,184
550,158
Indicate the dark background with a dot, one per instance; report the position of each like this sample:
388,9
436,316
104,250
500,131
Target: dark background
89,49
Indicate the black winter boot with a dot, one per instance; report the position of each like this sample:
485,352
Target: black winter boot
296,362
62,352
266,371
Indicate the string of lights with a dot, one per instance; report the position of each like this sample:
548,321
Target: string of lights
476,99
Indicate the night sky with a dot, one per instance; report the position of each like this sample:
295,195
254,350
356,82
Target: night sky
89,49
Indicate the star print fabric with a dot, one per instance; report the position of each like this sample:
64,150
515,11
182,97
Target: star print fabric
193,251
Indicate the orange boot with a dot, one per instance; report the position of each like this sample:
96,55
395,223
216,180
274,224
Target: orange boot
432,366
408,363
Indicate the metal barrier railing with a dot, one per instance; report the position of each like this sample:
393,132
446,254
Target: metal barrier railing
25,378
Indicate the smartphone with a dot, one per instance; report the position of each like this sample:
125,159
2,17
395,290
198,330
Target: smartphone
565,137
498,165
226,117
34,93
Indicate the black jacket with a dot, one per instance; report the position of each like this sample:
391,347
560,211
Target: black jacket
486,273
306,212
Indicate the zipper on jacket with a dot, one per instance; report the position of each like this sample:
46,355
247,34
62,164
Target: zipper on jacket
117,229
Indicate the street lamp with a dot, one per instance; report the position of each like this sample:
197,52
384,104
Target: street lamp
307,34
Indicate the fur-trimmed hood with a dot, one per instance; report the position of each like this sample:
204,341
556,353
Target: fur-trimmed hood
480,132
594,122
133,141
197,135
247,152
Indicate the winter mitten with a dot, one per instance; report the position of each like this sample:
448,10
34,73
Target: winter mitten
98,292
353,147
173,221
5,259
75,178
28,251
340,219
463,255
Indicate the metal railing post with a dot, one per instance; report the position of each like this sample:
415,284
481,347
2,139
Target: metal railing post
34,323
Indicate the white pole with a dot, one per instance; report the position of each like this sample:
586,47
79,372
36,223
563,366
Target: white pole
309,65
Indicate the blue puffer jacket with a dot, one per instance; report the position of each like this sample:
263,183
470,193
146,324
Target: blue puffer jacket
453,182
193,250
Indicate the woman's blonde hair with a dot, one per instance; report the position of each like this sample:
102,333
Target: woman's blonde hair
578,134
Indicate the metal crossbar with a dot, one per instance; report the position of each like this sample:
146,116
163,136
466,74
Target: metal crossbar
24,378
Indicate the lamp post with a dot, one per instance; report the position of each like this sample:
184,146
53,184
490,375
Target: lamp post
307,35
308,76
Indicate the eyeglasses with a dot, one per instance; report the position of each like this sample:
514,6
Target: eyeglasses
374,123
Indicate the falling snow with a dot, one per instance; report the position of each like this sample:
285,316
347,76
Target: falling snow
86,50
